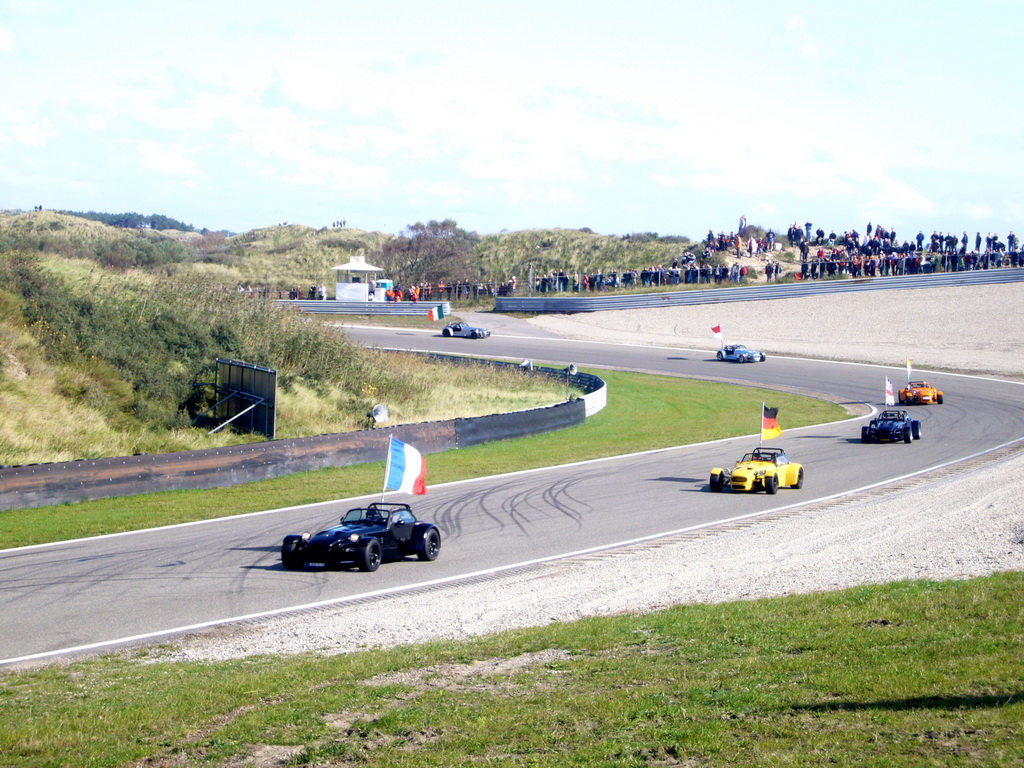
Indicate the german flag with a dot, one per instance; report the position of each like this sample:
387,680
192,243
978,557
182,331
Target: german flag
769,422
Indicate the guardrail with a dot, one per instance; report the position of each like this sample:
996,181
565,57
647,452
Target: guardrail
36,485
393,308
569,304
594,388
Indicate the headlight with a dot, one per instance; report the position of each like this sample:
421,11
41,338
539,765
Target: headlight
353,537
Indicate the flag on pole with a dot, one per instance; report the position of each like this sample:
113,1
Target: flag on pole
717,330
435,313
890,398
406,469
908,369
769,422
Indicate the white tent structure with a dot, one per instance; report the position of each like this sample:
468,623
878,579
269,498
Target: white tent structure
357,280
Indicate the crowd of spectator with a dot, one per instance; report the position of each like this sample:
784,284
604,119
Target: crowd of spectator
876,252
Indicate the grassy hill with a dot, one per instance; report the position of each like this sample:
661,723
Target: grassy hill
102,356
104,331
512,253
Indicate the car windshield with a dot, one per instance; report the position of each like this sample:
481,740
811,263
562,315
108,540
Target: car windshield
759,456
365,516
892,415
918,384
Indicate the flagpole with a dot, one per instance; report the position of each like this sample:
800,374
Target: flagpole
760,427
387,470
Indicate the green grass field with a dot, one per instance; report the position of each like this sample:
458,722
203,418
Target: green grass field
908,674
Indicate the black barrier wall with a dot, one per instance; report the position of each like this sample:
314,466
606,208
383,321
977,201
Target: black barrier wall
502,426
37,485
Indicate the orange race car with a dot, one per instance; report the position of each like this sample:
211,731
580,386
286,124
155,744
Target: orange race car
920,392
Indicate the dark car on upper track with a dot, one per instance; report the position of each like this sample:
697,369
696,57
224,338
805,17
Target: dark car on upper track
465,330
366,537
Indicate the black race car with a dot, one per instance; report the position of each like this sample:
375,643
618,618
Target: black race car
366,536
890,427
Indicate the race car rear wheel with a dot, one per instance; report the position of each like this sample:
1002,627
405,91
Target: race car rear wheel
720,356
771,485
799,479
938,399
430,547
915,429
369,556
908,435
865,434
446,332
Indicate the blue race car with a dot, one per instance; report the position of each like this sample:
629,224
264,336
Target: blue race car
366,536
890,427
740,354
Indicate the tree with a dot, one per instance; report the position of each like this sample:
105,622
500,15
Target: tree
437,250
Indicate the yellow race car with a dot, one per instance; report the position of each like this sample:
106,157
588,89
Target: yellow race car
920,392
765,469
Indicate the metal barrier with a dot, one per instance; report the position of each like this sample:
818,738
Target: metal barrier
569,304
36,485
393,308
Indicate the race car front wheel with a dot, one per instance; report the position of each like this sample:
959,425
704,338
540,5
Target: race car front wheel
369,556
717,481
292,557
771,485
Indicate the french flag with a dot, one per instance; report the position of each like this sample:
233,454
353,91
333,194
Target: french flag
406,470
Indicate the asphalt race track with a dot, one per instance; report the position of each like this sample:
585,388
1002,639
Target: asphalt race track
103,593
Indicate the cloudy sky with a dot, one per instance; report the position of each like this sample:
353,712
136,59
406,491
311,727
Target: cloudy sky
649,115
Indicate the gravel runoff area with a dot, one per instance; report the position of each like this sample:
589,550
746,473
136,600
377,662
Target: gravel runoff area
915,533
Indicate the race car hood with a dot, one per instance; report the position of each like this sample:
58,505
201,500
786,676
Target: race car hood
751,467
341,532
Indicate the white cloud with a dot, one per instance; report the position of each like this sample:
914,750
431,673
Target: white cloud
560,195
6,40
33,135
977,211
898,196
448,192
795,23
172,159
337,172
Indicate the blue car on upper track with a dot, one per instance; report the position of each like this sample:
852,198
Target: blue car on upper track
740,354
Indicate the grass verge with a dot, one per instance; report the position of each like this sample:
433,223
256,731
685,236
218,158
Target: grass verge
676,412
907,674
